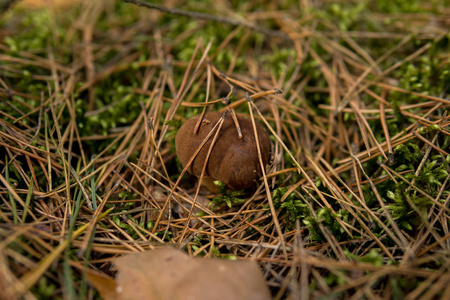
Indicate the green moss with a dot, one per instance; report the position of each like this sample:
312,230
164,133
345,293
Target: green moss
226,196
345,15
35,33
406,6
45,289
292,207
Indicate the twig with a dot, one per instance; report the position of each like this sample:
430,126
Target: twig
208,17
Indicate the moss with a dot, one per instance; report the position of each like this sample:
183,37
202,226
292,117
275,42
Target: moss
293,208
227,196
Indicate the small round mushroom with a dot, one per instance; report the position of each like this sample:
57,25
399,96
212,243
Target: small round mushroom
233,160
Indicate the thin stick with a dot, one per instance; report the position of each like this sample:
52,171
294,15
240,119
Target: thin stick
208,89
386,133
208,17
266,183
216,135
226,101
182,173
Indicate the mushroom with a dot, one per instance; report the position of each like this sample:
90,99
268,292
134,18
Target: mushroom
233,160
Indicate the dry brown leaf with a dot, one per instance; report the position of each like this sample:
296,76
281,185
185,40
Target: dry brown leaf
105,285
167,273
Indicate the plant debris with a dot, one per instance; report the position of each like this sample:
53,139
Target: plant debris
354,202
166,273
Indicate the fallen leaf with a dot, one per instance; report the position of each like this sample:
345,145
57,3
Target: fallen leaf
105,285
167,273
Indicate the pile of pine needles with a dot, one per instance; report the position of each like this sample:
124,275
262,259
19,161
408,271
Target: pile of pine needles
355,202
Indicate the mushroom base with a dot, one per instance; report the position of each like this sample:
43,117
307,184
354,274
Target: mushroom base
208,183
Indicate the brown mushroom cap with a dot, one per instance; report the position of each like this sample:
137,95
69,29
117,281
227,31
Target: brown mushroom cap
233,160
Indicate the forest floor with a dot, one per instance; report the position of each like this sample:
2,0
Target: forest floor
354,203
